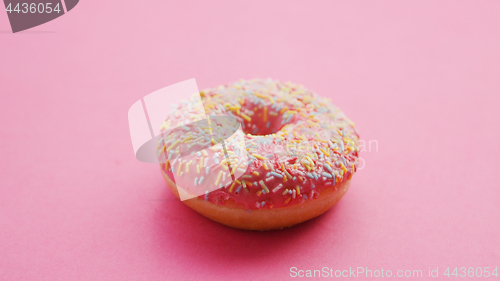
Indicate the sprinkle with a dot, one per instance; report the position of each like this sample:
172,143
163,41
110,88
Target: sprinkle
216,160
263,203
285,192
195,181
277,188
277,175
265,166
259,156
269,178
201,180
285,171
234,169
288,200
309,175
223,176
343,167
326,175
294,178
204,153
332,145
269,165
268,124
246,117
206,195
265,114
343,160
305,165
207,169
263,186
198,153
238,189
293,194
255,173
232,186
218,178
310,161
298,190
174,144
206,161
327,167
187,165
179,168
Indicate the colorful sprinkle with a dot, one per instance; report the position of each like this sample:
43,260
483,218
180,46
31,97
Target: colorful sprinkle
276,175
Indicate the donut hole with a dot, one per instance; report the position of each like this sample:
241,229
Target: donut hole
262,120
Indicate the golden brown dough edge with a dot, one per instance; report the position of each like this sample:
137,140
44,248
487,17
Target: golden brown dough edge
235,216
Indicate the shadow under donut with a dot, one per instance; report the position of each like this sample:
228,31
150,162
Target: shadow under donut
181,231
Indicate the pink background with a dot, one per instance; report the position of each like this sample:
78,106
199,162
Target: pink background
419,77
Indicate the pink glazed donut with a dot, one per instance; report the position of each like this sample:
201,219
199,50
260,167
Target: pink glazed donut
302,152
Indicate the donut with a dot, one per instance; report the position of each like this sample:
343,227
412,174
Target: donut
288,156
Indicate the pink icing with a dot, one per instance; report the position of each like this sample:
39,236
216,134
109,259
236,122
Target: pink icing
306,142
